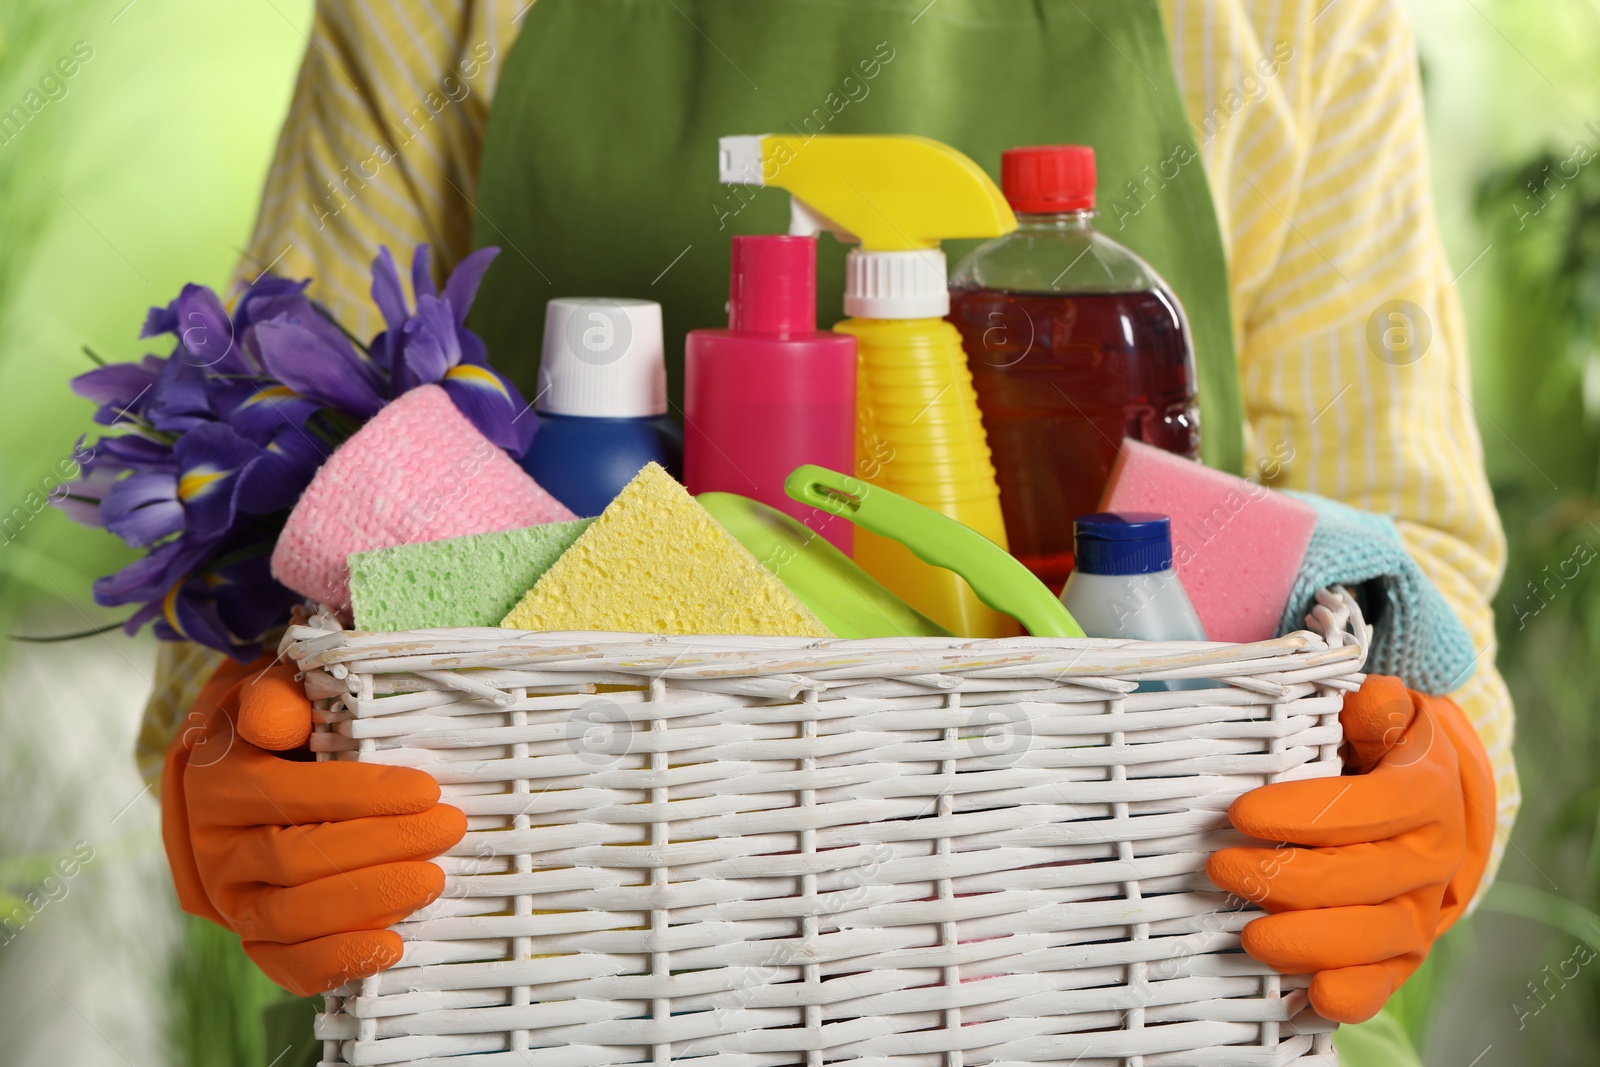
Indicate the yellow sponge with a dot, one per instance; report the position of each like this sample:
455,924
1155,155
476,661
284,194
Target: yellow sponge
655,561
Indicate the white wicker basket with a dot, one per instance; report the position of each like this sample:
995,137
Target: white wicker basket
766,851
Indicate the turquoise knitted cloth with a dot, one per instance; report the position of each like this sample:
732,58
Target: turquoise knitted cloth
1416,636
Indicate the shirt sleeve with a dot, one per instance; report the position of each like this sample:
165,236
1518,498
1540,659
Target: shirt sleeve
381,144
380,147
1352,352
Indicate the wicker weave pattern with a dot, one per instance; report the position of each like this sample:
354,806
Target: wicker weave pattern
764,851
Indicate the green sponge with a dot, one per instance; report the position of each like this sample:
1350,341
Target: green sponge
460,581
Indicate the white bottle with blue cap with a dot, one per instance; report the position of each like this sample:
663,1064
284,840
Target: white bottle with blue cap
1123,584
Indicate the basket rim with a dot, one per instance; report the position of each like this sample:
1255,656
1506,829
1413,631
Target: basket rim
1336,645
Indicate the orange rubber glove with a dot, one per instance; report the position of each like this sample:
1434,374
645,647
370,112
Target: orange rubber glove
1394,852
307,862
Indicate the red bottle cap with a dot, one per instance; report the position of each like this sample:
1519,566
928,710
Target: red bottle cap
773,287
1048,179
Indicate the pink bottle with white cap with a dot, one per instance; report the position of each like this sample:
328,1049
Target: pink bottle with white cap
770,392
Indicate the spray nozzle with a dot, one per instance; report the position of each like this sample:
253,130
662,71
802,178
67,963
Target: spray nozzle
889,193
895,196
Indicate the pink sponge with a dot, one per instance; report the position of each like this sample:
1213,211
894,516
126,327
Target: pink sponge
419,471
1237,545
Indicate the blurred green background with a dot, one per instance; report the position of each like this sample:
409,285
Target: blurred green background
145,175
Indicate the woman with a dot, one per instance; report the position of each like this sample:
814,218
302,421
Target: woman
1268,156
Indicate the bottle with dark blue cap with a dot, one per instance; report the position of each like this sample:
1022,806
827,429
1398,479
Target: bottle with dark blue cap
1124,586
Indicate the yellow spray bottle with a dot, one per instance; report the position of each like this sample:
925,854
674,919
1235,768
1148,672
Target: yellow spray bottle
919,432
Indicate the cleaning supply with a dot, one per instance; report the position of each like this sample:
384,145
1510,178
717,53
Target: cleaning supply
770,392
919,432
1237,546
993,574
460,581
417,471
1074,342
656,562
1124,585
602,401
848,600
1394,850
1415,633
306,862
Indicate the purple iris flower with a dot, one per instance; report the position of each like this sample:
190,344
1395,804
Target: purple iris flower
264,298
81,503
121,389
319,363
130,452
434,345
146,580
199,498
181,399
206,334
231,602
260,409
101,471
218,440
218,593
286,466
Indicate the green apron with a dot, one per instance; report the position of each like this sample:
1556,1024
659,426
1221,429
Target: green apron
599,173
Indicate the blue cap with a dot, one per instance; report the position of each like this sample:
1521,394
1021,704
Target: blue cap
1126,542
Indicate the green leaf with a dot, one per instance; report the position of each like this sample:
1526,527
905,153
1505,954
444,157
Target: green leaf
1525,901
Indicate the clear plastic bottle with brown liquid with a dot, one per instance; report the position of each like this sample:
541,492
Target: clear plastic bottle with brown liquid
1074,343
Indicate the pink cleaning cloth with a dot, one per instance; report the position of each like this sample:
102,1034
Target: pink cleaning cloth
419,471
1237,545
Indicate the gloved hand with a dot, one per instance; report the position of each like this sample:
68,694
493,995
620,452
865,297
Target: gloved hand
307,862
1395,850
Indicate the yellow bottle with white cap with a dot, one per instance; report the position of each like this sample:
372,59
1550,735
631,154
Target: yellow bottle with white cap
919,430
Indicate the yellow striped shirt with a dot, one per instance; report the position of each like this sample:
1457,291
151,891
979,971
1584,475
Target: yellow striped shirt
1309,116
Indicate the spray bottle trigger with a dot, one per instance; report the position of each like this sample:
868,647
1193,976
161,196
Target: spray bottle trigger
805,222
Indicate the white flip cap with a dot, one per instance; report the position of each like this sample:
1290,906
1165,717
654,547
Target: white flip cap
896,285
602,357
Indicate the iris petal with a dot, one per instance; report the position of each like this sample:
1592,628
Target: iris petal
285,468
211,460
473,350
206,334
387,292
84,512
149,577
489,410
461,288
179,401
160,320
421,274
249,601
127,452
430,345
478,377
264,298
121,389
333,374
143,508
385,349
267,410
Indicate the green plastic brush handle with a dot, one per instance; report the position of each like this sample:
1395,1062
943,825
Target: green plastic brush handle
994,574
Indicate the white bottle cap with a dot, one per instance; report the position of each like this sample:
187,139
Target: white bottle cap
602,357
896,285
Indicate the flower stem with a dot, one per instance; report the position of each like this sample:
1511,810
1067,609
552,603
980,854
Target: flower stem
44,639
